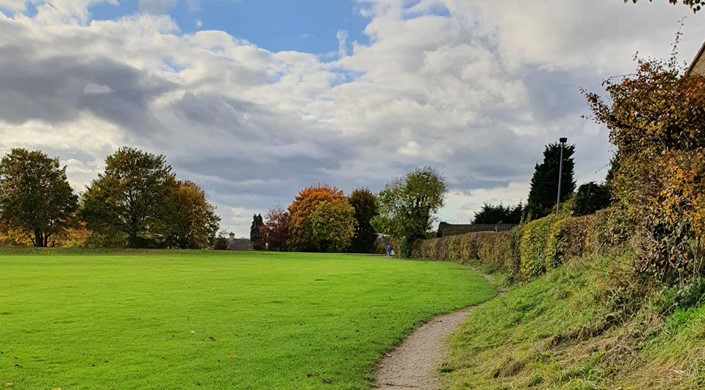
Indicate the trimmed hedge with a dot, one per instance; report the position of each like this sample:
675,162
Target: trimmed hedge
490,248
530,249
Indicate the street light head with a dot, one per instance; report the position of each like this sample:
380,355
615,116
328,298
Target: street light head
563,140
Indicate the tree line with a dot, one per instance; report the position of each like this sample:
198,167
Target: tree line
137,202
322,219
543,192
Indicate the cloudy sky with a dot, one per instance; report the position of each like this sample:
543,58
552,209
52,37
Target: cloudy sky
256,99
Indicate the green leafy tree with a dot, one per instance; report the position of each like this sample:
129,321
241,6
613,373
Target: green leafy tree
407,206
695,5
544,183
331,225
192,222
35,196
491,214
590,198
365,204
255,232
129,200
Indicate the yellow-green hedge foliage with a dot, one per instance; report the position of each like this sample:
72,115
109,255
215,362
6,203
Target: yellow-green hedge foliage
533,246
530,249
489,248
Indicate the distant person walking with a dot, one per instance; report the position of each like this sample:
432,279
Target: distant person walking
389,250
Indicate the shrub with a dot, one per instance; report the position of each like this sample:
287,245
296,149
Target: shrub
221,243
590,198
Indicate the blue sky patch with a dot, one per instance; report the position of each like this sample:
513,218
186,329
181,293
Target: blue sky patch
309,26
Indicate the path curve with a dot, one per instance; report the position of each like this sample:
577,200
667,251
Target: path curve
413,364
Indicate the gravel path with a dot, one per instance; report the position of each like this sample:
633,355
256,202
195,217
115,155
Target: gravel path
414,363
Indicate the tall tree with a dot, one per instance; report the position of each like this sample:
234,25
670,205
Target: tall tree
129,198
299,210
192,221
407,206
331,225
365,204
275,232
491,214
255,234
544,183
35,195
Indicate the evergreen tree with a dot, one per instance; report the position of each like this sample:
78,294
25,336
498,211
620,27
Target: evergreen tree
544,183
590,198
491,214
255,231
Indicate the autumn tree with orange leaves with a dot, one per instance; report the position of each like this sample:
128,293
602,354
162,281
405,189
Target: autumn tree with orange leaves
192,221
300,239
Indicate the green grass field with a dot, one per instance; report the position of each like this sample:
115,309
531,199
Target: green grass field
217,320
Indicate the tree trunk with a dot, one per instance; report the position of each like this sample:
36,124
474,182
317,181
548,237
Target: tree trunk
38,239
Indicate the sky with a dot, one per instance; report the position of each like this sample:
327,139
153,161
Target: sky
254,100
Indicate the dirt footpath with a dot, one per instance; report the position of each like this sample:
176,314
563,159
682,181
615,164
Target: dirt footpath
414,363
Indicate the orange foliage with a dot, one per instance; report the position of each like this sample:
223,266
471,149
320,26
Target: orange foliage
72,237
14,237
300,209
657,121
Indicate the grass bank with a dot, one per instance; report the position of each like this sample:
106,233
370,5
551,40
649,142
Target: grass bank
556,333
182,320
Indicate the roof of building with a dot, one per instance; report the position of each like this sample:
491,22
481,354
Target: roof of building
698,64
239,244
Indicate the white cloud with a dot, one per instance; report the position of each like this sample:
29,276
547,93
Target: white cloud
15,5
342,37
475,90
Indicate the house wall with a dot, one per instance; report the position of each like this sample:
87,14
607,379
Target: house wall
699,66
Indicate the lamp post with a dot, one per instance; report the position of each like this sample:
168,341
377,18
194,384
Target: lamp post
560,174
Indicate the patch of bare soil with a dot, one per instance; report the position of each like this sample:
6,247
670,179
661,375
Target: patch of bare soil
414,363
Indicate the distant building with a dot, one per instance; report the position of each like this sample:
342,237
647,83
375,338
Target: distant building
698,64
239,244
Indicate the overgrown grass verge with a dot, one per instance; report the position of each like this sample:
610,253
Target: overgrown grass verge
557,332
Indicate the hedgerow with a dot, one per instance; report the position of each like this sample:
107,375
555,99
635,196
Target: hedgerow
528,250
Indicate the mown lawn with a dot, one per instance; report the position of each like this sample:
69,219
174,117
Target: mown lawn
217,320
